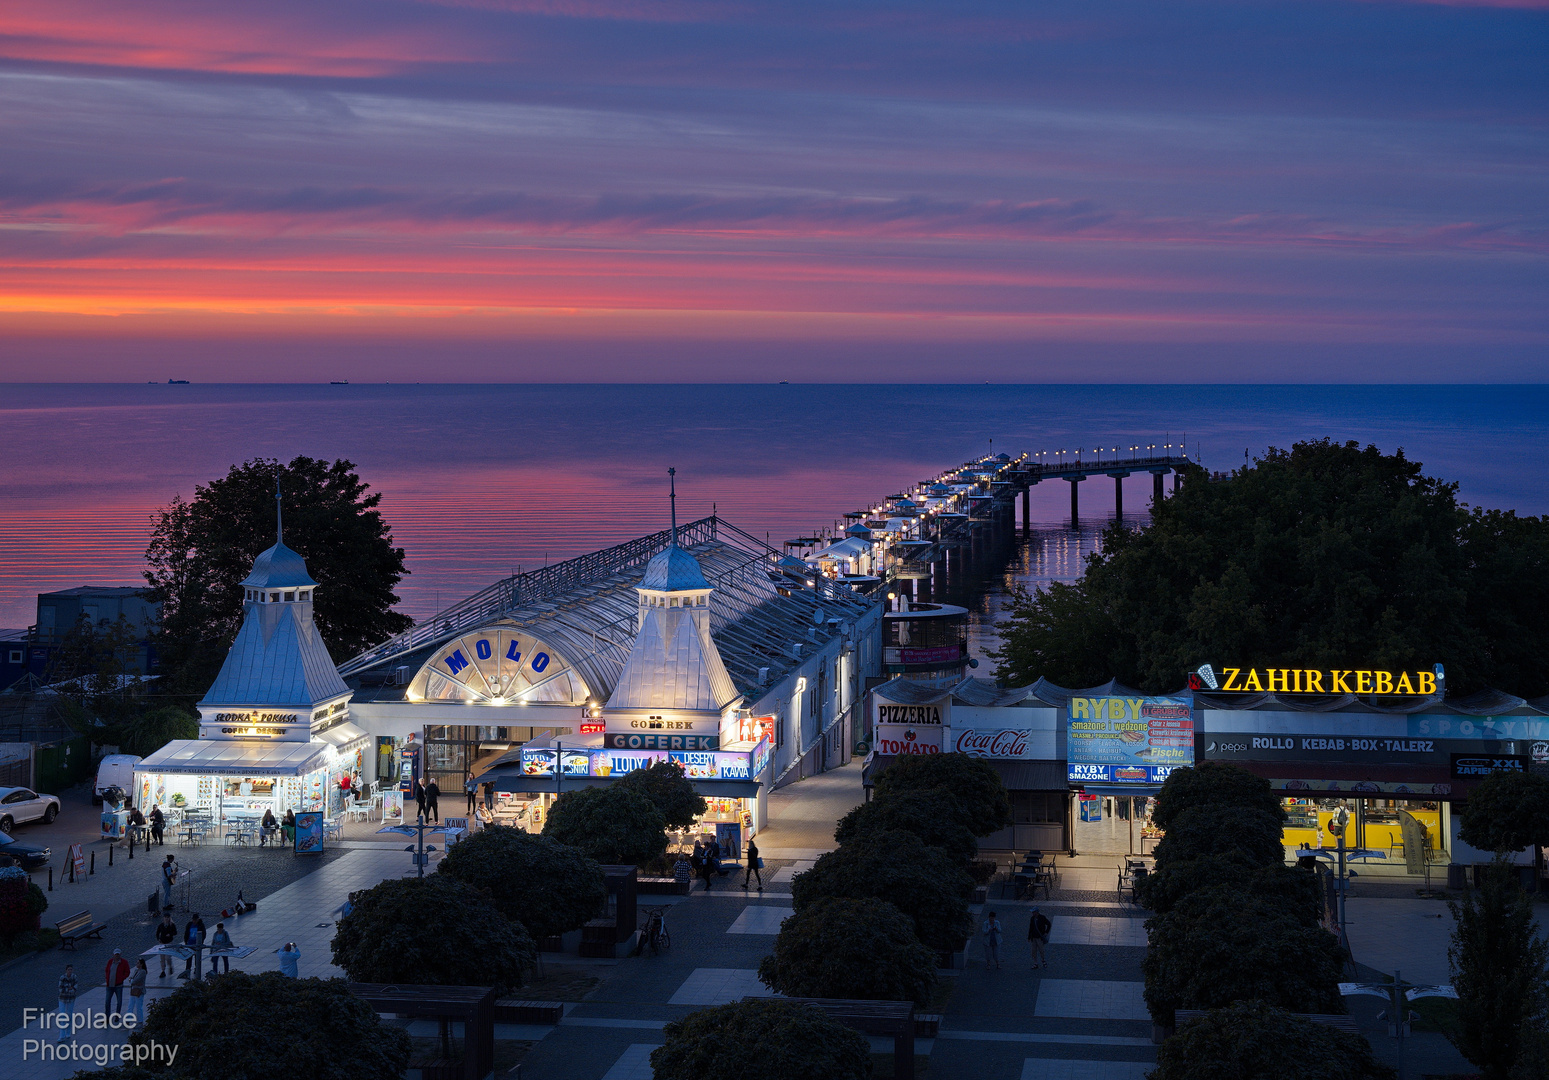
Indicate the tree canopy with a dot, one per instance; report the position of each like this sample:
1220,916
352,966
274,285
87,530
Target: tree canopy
1213,783
837,947
1252,1039
1308,557
933,814
1507,812
547,886
434,931
615,825
1217,830
1500,970
669,790
1219,945
923,882
971,782
202,548
266,1025
1296,890
768,1038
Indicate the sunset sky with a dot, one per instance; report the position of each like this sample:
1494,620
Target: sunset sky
547,190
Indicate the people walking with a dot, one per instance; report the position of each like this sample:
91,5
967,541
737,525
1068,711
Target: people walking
166,934
68,988
473,793
137,979
419,796
290,960
1038,927
755,866
158,826
114,976
193,937
992,937
168,879
489,797
432,797
219,940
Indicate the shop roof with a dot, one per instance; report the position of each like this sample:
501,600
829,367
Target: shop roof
976,693
211,757
278,659
589,610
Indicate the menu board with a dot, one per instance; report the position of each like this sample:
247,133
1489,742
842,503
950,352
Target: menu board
697,764
1128,739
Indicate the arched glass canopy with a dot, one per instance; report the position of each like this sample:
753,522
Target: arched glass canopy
498,665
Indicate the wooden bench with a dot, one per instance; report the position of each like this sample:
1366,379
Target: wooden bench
886,1018
926,1025
663,886
1333,1020
78,926
518,1011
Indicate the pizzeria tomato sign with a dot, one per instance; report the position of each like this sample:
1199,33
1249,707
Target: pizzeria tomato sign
1004,743
896,739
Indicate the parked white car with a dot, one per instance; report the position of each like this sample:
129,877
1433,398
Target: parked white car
19,805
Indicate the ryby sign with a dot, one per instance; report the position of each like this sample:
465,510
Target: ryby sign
1234,680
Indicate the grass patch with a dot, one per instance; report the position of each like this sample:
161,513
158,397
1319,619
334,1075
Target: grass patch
558,983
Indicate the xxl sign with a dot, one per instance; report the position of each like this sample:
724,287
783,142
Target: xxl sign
1237,680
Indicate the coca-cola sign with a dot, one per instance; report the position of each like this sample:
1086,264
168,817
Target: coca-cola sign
1005,743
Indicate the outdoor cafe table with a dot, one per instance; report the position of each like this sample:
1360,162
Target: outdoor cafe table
183,952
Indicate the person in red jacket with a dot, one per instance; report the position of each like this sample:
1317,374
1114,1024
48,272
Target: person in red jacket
116,974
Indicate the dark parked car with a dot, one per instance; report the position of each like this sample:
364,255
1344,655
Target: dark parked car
27,856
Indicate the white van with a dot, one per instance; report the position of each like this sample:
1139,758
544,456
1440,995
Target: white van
114,769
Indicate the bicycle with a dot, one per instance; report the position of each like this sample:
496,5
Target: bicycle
654,932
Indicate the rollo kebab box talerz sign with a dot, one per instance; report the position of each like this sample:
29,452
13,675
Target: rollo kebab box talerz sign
1128,740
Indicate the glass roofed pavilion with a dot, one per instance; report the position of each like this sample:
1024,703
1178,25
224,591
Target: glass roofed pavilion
690,645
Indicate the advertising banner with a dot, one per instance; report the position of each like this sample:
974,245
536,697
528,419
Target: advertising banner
713,766
1004,743
936,654
761,755
697,764
1128,739
897,739
1479,766
309,833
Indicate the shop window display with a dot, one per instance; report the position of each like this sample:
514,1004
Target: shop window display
1375,824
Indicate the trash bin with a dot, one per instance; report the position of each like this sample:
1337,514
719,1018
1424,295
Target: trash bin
1529,877
1457,875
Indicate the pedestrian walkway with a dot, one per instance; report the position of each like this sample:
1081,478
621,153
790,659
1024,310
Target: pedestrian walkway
758,919
802,815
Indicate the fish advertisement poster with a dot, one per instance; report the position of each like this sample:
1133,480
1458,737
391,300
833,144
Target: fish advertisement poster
1128,739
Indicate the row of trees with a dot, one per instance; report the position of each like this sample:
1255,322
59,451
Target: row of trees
1238,933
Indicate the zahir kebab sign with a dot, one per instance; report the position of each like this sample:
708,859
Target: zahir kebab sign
1238,680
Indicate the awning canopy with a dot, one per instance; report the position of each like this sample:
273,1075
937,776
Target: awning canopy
511,778
1016,775
342,735
212,757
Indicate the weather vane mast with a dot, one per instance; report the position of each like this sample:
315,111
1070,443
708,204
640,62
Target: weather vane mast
672,501
279,523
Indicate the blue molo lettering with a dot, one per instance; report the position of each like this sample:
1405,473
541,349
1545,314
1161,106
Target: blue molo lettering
513,653
482,649
456,662
540,661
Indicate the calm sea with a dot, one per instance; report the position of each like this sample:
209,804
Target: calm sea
479,481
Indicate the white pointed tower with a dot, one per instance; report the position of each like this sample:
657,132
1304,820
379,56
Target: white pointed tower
278,679
674,682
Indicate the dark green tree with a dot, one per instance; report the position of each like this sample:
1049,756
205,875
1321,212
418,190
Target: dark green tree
841,948
201,550
242,1025
1252,1039
932,814
1216,830
1218,946
613,825
1293,889
1500,970
1307,558
669,791
547,886
434,931
1507,812
972,782
1214,783
151,730
96,672
924,883
770,1039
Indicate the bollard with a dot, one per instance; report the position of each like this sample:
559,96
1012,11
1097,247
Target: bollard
50,879
131,847
110,856
93,869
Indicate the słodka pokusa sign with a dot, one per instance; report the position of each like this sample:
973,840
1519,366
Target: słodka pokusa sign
1250,680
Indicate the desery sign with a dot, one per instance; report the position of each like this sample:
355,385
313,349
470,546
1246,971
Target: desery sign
1315,681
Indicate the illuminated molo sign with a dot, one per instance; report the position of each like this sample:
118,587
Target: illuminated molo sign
1237,680
497,666
1128,739
906,739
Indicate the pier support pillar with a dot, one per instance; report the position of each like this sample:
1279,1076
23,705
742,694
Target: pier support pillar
1075,506
1175,481
1118,496
1027,510
1156,490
